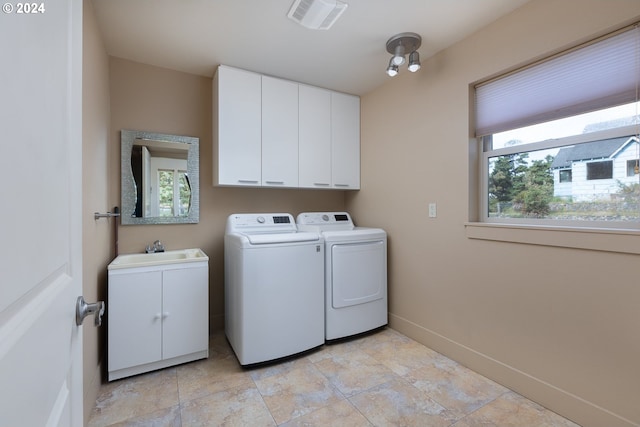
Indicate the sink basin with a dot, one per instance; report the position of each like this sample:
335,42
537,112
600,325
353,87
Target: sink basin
158,258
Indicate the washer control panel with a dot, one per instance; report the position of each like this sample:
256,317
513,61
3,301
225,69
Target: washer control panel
262,223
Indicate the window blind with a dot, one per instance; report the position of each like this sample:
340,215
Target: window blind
598,75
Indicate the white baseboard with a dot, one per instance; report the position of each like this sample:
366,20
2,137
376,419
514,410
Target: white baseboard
557,400
91,391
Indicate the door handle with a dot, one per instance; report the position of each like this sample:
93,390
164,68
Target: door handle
83,310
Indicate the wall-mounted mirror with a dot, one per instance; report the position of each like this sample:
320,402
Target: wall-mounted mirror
159,178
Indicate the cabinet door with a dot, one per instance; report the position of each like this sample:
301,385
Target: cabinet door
315,137
279,133
345,141
135,319
237,123
185,294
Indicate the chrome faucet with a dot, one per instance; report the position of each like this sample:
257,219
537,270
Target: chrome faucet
156,247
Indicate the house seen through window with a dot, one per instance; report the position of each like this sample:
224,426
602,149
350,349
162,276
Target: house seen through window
589,174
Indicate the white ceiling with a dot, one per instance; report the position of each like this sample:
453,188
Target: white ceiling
195,36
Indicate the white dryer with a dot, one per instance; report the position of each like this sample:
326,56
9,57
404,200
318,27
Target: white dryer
274,287
355,273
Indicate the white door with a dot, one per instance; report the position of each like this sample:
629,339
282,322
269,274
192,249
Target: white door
40,215
135,318
279,133
185,299
345,141
358,272
315,137
146,183
237,98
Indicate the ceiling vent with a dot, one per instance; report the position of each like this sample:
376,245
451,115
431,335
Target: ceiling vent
316,14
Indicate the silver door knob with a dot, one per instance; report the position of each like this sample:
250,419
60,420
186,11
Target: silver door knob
83,310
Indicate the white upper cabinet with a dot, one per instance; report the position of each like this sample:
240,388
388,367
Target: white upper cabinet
315,137
279,132
345,141
237,134
270,132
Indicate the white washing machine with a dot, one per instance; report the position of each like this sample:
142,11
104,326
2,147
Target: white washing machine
355,273
274,287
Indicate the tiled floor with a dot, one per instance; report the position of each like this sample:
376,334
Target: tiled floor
382,379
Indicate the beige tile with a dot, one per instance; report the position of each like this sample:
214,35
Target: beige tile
454,386
513,410
241,407
132,397
341,414
354,372
219,347
384,337
280,368
400,354
200,378
389,380
398,403
349,345
321,353
169,417
295,390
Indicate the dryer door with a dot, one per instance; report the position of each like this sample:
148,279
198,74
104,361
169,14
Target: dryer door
358,273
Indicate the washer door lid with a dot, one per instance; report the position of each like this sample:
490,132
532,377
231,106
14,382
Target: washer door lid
263,239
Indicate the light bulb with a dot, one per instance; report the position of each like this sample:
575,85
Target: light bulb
414,61
398,56
392,69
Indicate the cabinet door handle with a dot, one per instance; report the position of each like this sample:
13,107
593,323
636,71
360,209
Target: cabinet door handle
247,181
158,316
165,314
321,184
275,182
341,185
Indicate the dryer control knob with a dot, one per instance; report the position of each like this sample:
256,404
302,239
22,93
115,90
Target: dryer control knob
260,219
325,217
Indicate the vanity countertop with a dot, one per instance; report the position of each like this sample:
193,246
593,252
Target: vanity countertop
158,258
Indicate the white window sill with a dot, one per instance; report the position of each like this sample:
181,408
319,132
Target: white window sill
599,239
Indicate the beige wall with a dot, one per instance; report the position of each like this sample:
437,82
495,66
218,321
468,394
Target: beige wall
97,241
158,100
558,325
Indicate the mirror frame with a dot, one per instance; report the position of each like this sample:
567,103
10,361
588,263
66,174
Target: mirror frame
128,186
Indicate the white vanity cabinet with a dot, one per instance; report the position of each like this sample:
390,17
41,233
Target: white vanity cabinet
157,315
270,132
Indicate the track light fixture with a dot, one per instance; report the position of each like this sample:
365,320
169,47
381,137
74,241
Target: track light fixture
398,46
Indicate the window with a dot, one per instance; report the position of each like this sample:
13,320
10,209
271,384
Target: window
599,170
174,195
564,175
568,155
633,167
165,190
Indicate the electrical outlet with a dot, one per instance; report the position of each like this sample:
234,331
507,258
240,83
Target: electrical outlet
432,210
